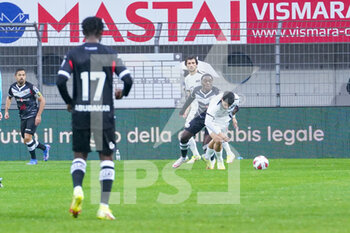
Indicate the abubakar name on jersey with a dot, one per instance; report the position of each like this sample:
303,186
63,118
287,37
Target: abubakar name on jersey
92,108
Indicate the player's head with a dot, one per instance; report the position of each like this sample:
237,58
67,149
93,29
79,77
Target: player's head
191,64
92,27
228,99
20,76
207,82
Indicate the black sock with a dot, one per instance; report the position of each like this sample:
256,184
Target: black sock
32,154
77,170
107,174
184,149
41,146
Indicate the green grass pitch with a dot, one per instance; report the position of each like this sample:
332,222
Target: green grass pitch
292,195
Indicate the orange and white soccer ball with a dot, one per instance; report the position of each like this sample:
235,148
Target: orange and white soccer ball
260,162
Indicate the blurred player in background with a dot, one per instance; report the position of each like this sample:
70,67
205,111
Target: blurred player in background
202,94
221,111
192,80
26,95
88,102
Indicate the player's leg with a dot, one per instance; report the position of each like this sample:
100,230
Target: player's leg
208,154
107,172
193,128
27,131
230,155
185,136
28,140
81,148
206,141
193,147
218,154
192,142
30,128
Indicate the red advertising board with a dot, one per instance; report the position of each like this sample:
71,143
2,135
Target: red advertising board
302,21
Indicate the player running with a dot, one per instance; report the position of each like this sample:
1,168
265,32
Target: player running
202,94
92,65
26,95
192,80
221,110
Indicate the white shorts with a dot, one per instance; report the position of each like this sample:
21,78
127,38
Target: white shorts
223,128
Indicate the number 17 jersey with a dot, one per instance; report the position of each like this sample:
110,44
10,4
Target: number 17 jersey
92,66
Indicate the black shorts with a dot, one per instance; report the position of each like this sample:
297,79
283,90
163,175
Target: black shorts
28,126
196,125
104,140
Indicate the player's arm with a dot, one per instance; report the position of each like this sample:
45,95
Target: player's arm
184,110
42,103
7,107
234,120
61,82
8,104
125,75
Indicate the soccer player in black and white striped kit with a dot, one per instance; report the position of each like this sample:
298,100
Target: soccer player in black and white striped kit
26,96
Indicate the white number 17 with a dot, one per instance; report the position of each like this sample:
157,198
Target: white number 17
95,75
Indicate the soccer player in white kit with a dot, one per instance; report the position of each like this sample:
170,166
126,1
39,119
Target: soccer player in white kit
192,80
221,110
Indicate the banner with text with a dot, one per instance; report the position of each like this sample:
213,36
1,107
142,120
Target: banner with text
153,133
130,22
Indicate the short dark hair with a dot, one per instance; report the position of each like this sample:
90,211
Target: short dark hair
229,97
19,69
191,58
92,26
207,75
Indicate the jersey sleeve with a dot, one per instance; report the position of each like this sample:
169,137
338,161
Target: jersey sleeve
10,94
216,90
67,66
36,92
119,68
194,91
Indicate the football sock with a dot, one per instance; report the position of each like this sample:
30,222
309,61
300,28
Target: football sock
219,155
184,149
193,146
31,148
77,170
40,146
227,148
106,179
208,153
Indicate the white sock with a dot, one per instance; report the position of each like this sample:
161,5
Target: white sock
219,156
193,146
227,148
208,153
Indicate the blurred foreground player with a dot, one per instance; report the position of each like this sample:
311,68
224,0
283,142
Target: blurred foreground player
26,95
92,65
